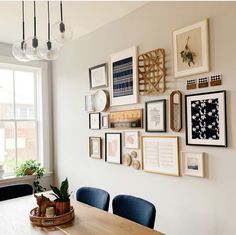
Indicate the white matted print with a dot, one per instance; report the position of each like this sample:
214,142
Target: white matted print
98,76
94,121
95,147
113,147
160,154
124,77
191,49
193,164
131,139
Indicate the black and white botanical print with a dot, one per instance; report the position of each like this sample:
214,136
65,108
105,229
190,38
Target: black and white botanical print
205,119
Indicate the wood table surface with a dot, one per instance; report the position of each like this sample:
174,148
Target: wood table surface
14,220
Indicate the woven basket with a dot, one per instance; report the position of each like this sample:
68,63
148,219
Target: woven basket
52,221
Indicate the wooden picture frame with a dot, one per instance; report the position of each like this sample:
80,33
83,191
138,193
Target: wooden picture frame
160,154
94,121
206,119
155,116
126,119
191,49
98,76
113,148
193,164
95,147
124,84
176,111
105,121
131,139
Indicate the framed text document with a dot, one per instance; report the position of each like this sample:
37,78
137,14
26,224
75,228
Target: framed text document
160,154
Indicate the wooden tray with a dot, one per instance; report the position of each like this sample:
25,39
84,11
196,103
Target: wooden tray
51,221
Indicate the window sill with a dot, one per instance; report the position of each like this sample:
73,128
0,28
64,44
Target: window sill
13,179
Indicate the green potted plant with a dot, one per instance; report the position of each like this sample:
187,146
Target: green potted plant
30,167
62,201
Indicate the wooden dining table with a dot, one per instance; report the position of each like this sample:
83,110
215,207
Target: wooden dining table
14,220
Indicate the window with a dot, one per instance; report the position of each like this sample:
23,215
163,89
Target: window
20,116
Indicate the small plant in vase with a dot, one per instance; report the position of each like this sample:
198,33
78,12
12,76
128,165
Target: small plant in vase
62,201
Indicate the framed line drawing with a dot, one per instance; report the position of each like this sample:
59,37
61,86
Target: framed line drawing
113,148
191,49
155,116
124,84
160,154
98,76
95,147
206,121
131,139
193,164
94,121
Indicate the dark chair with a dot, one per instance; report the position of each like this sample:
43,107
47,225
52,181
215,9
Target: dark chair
14,191
94,197
135,209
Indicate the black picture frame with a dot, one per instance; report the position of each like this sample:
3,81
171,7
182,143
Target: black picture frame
119,136
99,121
213,122
104,65
147,104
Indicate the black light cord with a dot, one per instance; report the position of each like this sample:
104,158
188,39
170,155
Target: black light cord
34,20
49,37
61,11
23,21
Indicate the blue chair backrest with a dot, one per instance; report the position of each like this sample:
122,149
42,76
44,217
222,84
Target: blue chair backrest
14,191
135,209
94,197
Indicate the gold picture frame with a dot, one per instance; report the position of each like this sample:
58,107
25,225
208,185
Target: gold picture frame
95,147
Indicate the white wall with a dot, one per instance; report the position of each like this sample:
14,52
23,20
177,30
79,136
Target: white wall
185,205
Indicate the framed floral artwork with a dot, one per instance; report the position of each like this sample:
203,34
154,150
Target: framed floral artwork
191,49
206,122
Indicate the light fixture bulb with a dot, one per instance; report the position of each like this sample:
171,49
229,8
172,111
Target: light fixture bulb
61,32
18,51
32,48
49,50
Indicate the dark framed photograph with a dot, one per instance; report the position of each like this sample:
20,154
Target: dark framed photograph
206,119
94,121
98,76
155,112
113,148
95,147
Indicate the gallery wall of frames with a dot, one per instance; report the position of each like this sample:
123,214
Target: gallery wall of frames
145,137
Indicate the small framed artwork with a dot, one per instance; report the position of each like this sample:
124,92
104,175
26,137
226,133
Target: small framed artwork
127,119
89,103
206,121
105,121
113,149
191,49
160,154
155,112
98,76
193,164
95,147
94,121
124,77
131,139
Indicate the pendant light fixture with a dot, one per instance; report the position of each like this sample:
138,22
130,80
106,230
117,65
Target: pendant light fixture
50,49
32,43
62,33
18,48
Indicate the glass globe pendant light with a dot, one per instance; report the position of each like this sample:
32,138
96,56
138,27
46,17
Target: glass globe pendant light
32,43
61,32
49,49
18,48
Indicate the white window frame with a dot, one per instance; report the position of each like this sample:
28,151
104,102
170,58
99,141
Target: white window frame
43,106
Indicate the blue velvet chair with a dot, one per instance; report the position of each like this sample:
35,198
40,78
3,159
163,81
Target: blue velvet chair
14,191
94,197
135,209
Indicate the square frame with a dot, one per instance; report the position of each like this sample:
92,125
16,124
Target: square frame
157,114
113,148
124,79
213,119
94,121
97,147
193,164
98,76
200,48
133,141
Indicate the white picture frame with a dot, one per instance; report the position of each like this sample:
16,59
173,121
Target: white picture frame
196,38
131,139
94,121
193,164
89,103
124,90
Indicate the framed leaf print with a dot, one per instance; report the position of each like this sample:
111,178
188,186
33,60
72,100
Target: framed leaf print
206,122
